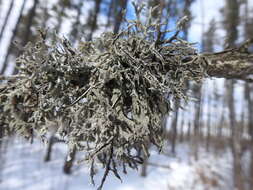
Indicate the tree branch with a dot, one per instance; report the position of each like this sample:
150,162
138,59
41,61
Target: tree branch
236,63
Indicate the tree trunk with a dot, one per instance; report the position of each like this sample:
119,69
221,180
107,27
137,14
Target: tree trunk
182,127
208,123
231,23
75,32
69,161
235,139
196,121
6,19
222,117
49,149
174,128
121,5
14,33
144,166
248,97
28,29
60,19
189,131
46,15
93,19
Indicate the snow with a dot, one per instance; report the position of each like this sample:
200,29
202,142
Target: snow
24,169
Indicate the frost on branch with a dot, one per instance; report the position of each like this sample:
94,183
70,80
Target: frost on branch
108,97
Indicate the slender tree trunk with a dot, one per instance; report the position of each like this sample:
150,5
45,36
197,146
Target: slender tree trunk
93,19
248,94
189,131
144,166
187,12
208,123
59,19
174,128
109,14
76,26
242,123
182,127
248,98
1,5
28,29
49,149
231,24
222,118
119,15
14,33
235,140
69,161
196,121
45,15
6,19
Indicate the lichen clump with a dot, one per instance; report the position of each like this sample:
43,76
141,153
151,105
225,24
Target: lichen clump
107,97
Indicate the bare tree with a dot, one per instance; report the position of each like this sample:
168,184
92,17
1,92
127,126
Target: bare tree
231,23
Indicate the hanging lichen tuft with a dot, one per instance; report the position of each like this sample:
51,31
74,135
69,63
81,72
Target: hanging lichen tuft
108,97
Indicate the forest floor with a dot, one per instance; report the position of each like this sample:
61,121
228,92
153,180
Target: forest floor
23,168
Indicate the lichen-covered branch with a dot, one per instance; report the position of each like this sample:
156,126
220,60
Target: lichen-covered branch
107,97
236,63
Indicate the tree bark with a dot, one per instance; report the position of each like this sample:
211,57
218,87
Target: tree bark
231,64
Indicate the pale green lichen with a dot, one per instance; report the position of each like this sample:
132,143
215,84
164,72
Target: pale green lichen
107,97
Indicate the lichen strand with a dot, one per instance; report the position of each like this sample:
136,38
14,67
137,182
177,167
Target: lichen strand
108,96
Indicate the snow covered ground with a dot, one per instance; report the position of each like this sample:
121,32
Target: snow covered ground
24,169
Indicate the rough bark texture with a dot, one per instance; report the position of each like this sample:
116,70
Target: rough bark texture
234,63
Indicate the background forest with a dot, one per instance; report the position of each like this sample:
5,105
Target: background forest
208,141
